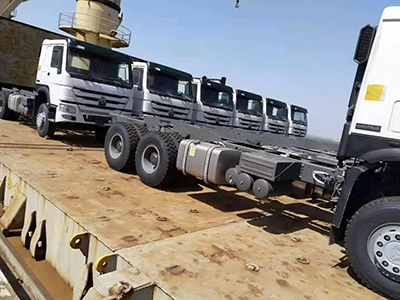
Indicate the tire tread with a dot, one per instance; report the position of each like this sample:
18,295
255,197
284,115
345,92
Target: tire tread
166,178
134,131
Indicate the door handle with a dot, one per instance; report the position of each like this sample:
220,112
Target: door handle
48,73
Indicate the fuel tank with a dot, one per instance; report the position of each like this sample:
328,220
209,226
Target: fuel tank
206,161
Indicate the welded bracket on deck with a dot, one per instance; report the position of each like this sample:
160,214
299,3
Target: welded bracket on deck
81,241
38,242
13,217
28,229
107,263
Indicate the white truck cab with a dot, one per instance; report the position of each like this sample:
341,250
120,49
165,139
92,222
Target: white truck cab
161,91
77,86
214,102
248,110
372,128
298,123
275,116
85,82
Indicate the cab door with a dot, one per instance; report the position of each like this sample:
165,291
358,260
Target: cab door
51,65
138,74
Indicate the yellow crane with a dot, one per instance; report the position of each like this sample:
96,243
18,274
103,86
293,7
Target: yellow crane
94,21
97,22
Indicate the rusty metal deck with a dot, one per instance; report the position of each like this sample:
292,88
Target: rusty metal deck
196,243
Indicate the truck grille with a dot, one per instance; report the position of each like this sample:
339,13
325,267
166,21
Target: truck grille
99,103
246,123
170,111
276,128
299,132
212,118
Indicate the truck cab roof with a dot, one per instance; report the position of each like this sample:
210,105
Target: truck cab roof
249,95
74,43
275,102
298,108
216,85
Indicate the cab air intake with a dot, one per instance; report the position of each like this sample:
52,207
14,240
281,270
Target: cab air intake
364,44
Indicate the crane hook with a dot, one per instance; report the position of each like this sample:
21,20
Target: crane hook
237,4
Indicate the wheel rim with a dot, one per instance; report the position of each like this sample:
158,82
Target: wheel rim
150,159
1,104
40,120
384,250
116,146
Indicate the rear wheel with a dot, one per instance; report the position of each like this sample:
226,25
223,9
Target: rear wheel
120,145
44,127
156,159
373,245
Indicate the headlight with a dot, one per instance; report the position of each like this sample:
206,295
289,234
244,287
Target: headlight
67,109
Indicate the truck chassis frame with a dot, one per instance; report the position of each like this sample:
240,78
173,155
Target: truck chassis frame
270,164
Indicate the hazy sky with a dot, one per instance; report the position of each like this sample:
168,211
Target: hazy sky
297,51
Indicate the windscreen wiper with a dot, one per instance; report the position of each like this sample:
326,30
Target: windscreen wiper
87,75
210,104
257,113
118,82
250,112
160,93
223,106
182,96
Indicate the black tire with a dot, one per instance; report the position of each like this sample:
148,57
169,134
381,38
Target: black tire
100,134
129,136
176,137
163,174
44,127
5,112
365,222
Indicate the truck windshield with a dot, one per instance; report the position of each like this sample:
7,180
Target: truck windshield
246,105
299,117
277,112
94,67
215,98
168,85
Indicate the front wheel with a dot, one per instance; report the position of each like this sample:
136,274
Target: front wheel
373,245
44,127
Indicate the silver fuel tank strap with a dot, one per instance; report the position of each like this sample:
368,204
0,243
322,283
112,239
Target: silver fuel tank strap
185,154
207,162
